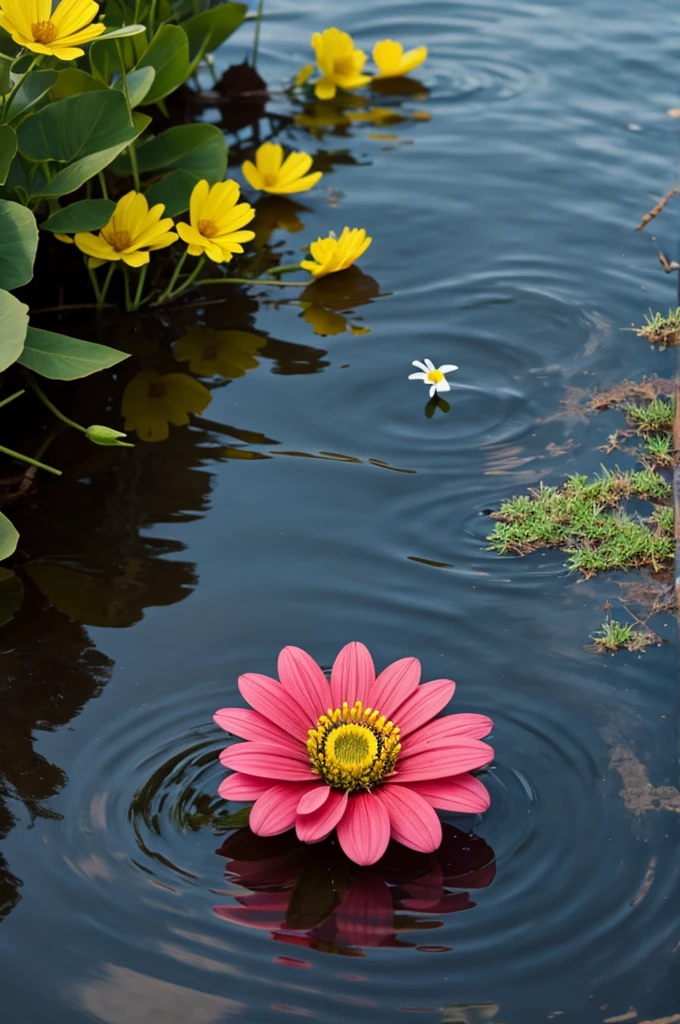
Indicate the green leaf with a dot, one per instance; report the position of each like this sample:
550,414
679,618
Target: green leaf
62,358
86,215
33,87
105,56
13,326
138,83
198,148
72,81
76,127
174,191
18,244
208,30
11,594
77,174
5,80
9,537
168,55
8,148
123,32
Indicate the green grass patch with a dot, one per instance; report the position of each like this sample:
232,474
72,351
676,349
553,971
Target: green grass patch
615,636
661,330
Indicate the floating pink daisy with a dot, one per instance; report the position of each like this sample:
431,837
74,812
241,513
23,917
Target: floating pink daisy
361,755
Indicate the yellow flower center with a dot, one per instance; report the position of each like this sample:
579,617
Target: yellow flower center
121,240
343,65
270,179
435,376
207,228
44,32
353,748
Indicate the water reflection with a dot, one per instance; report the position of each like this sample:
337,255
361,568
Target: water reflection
337,116
276,213
313,896
227,353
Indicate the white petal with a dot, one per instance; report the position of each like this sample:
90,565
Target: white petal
432,390
421,366
429,364
443,386
447,368
417,376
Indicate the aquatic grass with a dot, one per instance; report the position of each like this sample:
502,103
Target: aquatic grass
659,448
661,330
614,636
655,417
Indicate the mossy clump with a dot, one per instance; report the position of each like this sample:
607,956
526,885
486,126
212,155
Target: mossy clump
585,519
659,449
615,636
663,331
654,418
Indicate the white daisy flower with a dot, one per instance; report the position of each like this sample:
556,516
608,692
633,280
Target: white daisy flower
433,375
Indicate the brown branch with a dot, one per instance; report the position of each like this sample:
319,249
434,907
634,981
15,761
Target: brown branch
657,209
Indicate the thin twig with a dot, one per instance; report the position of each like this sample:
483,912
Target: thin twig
74,305
657,209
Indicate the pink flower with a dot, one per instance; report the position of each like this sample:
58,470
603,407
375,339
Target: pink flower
361,755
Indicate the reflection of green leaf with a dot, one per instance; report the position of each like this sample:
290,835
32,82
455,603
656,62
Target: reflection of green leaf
18,244
9,538
238,819
62,358
86,215
13,326
11,595
209,30
8,148
314,897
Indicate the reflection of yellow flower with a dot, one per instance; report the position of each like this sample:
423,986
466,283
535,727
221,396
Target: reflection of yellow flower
216,221
132,232
229,353
271,173
391,60
152,401
32,24
340,64
324,321
331,254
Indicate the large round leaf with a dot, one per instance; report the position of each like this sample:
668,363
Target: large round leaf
13,326
8,148
168,55
62,358
72,81
208,30
105,56
198,148
18,244
9,537
87,215
76,127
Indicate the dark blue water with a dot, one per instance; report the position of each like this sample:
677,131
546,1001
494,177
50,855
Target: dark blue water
313,503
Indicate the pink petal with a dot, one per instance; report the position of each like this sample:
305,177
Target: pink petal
366,915
243,787
312,828
251,725
314,799
269,698
423,704
464,756
364,829
413,821
263,760
352,676
302,678
446,732
394,685
463,793
274,812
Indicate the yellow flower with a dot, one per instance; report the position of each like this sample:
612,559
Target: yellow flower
216,221
332,254
303,75
32,24
340,64
391,60
271,173
152,401
229,353
133,231
66,239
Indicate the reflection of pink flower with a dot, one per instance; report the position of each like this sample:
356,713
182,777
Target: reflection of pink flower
317,899
361,755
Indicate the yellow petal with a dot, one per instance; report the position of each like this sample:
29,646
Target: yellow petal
387,55
252,175
303,75
301,185
135,259
199,195
325,89
72,15
269,158
294,166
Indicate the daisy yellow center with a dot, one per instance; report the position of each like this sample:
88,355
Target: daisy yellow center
353,748
121,240
435,376
207,228
44,32
270,179
343,65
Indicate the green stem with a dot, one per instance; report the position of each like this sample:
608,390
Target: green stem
135,168
29,460
107,282
17,394
140,288
189,280
284,268
173,279
128,299
230,280
258,23
123,73
102,185
53,409
95,286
